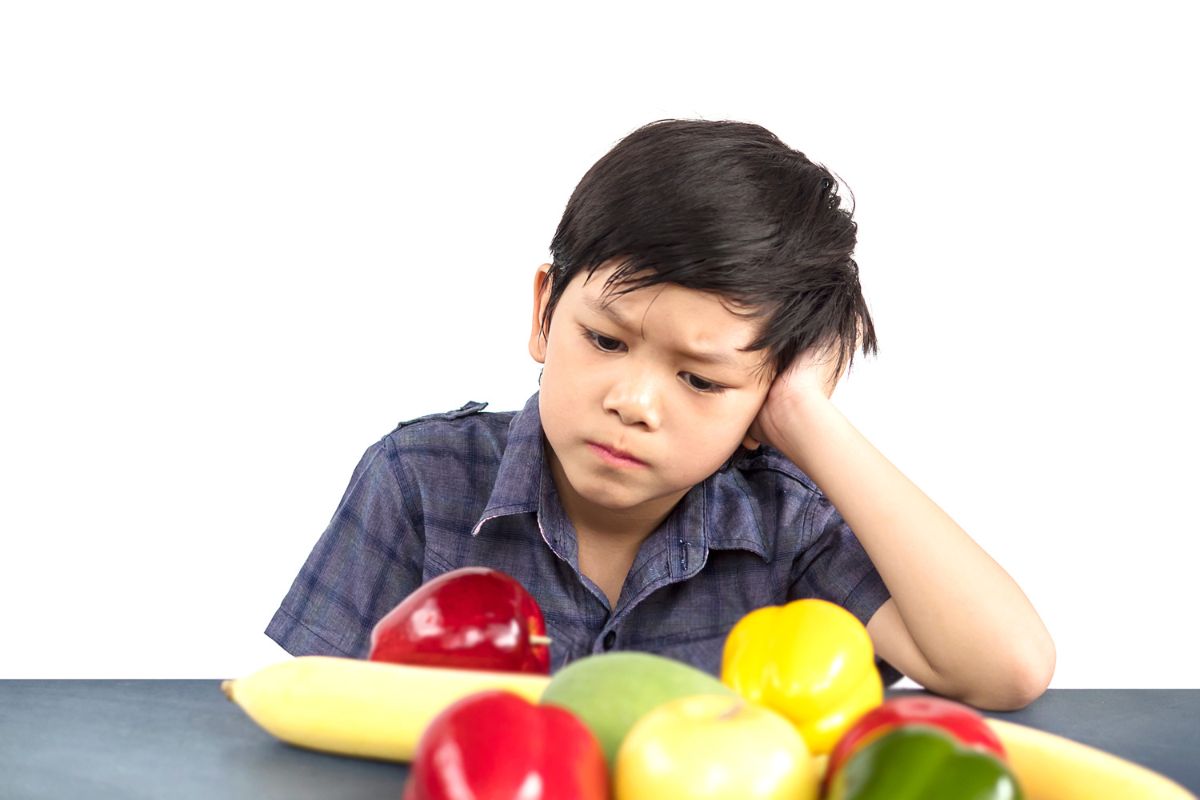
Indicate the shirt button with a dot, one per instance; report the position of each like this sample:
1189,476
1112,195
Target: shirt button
610,639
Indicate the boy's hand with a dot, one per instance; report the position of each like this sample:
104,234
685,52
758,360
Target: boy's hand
812,376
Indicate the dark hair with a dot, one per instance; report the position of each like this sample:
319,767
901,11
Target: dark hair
724,207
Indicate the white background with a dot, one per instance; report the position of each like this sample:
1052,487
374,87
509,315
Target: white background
241,240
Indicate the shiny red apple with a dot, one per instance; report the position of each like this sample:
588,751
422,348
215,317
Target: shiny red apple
495,745
469,618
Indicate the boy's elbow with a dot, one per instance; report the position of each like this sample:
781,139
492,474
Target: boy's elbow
1028,680
1027,687
1024,682
1038,670
1037,674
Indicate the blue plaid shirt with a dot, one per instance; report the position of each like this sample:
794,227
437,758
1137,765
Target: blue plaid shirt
472,488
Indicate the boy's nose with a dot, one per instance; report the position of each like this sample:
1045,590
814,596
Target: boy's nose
635,402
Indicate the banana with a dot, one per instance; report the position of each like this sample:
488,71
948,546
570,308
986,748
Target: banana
356,707
1050,767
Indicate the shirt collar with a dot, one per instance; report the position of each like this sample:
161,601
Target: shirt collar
719,513
519,475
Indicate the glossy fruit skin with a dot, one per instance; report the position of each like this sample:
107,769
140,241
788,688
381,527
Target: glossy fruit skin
495,745
610,692
920,762
811,661
714,747
469,618
962,722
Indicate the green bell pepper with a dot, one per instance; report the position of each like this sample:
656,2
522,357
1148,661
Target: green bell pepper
926,763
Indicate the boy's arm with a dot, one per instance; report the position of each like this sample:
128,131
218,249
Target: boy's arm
368,559
956,622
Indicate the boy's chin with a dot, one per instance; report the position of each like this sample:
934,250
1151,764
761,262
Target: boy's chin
623,499
611,499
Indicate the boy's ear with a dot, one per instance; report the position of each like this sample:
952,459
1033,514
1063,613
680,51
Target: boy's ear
541,298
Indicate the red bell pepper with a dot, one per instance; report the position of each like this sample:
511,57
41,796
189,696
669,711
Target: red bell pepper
961,722
469,618
495,745
922,762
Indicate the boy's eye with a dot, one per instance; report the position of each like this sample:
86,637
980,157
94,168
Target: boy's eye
605,343
701,385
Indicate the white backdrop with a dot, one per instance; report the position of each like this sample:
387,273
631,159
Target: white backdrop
241,240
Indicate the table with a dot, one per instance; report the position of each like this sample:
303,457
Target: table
181,739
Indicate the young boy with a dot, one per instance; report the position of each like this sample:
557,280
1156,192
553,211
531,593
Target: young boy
681,464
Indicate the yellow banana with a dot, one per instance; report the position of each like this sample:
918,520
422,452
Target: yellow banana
356,707
1050,767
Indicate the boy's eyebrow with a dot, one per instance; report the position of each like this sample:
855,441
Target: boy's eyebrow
704,357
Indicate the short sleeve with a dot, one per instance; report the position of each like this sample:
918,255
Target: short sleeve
835,567
368,559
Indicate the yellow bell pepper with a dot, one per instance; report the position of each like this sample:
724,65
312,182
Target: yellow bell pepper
811,661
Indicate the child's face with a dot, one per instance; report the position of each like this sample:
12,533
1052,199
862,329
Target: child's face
629,387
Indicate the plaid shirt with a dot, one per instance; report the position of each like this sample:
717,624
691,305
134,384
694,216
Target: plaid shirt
472,488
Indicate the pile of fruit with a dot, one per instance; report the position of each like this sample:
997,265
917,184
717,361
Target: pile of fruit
457,683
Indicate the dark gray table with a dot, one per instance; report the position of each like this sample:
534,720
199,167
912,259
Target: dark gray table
133,739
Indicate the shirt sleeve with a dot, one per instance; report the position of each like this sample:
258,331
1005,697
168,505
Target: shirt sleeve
369,558
835,567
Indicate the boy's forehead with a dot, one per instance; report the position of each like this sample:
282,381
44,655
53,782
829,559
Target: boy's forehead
601,295
614,298
728,327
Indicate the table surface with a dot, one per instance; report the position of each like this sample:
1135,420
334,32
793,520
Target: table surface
133,739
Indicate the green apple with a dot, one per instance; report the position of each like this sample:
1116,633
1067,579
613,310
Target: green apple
714,747
609,692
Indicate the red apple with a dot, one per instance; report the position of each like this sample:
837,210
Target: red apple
469,618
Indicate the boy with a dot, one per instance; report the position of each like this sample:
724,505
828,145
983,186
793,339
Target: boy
681,463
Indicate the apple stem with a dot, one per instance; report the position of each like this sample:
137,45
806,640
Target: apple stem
733,711
542,640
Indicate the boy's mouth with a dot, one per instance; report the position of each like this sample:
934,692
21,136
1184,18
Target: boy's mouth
614,456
